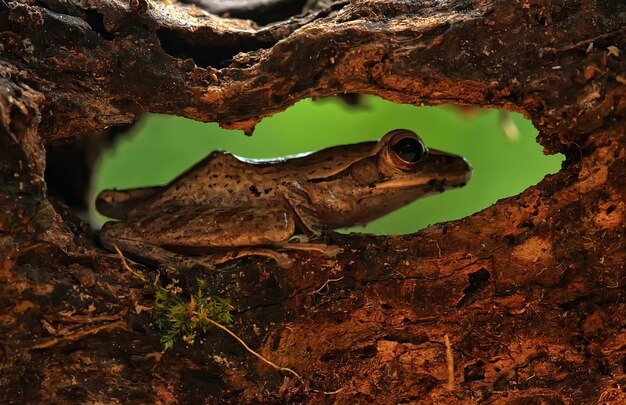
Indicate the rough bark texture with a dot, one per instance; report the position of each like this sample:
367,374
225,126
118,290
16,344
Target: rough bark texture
530,292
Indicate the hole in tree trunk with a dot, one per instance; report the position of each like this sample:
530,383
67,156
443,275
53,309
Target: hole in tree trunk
162,147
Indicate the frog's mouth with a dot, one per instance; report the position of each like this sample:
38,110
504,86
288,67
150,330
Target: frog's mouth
443,183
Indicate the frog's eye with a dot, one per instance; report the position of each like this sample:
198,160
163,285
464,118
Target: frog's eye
409,149
406,149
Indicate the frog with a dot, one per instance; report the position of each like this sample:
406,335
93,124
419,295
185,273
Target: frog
227,207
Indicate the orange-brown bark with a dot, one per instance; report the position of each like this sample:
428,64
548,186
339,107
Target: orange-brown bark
529,292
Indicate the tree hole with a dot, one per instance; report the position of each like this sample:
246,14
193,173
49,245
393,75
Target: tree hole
162,147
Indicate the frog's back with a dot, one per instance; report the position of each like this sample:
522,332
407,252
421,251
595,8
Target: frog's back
223,180
319,164
186,189
219,180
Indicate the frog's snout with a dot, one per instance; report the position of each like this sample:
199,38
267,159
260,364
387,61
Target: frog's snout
468,171
459,171
456,170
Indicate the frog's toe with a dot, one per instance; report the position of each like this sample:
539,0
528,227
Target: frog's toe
332,250
284,261
299,239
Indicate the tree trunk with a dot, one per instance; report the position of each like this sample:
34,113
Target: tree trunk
523,302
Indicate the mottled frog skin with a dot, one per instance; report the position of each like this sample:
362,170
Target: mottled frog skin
227,207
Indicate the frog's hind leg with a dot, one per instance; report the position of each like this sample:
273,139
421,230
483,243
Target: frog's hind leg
208,236
147,253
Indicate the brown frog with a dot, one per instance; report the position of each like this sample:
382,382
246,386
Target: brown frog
227,207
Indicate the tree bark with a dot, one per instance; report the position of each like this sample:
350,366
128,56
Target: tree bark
530,293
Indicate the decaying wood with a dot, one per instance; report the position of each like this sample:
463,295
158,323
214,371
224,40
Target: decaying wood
530,292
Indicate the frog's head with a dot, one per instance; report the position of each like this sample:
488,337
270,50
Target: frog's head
398,170
405,163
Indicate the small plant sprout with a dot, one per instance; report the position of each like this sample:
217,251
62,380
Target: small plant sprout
180,317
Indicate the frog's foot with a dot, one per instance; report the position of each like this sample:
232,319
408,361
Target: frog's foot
327,250
282,259
152,254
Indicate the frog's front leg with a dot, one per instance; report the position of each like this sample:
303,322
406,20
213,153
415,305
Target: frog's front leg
298,197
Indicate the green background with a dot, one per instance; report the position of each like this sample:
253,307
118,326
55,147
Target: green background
162,147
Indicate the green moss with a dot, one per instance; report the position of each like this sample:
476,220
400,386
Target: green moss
183,316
